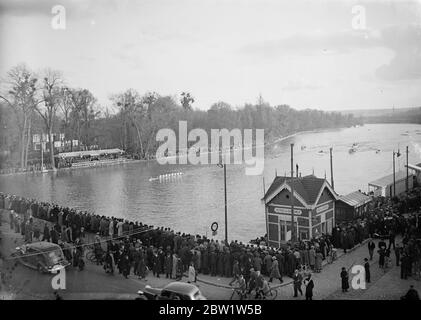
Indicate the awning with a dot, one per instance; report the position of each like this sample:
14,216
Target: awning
355,199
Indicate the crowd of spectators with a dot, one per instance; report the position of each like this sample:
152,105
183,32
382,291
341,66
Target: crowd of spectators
134,247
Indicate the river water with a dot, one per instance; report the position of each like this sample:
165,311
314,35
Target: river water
192,201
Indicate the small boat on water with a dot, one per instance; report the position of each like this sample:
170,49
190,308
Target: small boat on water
166,176
352,150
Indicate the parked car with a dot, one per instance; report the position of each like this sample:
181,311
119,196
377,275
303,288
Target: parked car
46,257
172,291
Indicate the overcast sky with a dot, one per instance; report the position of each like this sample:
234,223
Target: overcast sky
307,54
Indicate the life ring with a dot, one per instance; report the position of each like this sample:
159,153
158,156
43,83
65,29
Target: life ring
214,226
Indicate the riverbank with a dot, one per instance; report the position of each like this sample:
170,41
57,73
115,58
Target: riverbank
103,163
79,165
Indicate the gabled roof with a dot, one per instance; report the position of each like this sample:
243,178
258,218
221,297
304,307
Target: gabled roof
308,187
355,199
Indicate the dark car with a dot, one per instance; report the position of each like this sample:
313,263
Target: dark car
46,257
172,291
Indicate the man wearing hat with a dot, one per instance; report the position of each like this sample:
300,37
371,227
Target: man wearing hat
274,272
309,287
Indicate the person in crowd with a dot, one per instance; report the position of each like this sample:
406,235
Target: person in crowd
371,246
411,295
242,287
398,252
345,280
319,260
274,272
235,271
168,265
297,279
391,239
309,287
382,256
192,273
367,270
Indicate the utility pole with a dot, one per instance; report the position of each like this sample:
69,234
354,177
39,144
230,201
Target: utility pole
292,194
42,154
394,179
226,211
407,173
331,169
224,166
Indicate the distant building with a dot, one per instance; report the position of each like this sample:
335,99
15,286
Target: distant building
417,171
351,206
60,144
384,186
314,208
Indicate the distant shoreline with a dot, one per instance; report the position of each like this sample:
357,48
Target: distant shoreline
94,164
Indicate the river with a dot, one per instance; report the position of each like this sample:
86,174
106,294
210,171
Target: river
192,201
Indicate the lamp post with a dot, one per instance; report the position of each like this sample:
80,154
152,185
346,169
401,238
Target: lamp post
293,238
224,166
394,174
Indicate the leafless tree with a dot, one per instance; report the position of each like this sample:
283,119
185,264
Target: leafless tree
52,87
21,96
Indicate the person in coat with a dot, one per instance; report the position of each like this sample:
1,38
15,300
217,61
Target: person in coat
125,265
156,265
281,263
235,271
309,287
268,263
141,267
213,260
257,262
312,258
274,272
168,265
291,264
319,260
345,280
367,270
227,264
297,282
46,233
371,246
192,273
174,265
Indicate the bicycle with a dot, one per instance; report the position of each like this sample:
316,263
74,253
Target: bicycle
92,256
242,294
269,295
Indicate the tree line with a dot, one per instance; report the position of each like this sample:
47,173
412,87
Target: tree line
41,102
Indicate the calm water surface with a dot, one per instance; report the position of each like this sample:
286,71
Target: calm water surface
193,201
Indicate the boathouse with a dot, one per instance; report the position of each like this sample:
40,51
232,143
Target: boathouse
351,206
384,186
416,169
314,208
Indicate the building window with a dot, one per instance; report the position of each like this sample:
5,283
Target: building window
273,232
282,230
